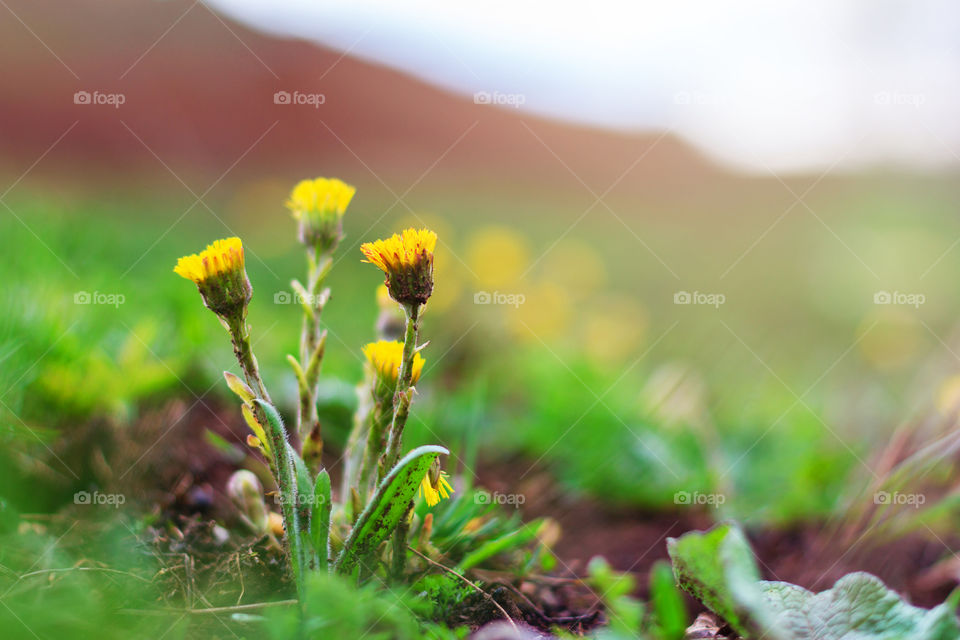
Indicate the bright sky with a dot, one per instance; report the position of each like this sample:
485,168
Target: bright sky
789,85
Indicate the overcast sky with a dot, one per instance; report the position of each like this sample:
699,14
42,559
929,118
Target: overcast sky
785,85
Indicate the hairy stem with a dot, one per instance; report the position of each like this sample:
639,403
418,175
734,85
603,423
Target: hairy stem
401,410
401,399
242,349
311,352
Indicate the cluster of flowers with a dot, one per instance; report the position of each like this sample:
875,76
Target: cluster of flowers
394,367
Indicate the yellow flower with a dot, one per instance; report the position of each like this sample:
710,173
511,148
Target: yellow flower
218,271
319,205
322,196
216,260
386,356
434,485
407,260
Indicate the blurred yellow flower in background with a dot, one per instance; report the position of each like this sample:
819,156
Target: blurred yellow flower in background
889,338
497,256
576,265
450,273
543,314
948,396
614,328
386,356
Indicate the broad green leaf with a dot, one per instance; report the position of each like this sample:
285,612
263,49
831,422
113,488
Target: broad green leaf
304,504
289,477
320,518
717,567
387,507
858,607
710,565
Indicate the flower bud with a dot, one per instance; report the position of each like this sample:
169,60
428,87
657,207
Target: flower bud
246,492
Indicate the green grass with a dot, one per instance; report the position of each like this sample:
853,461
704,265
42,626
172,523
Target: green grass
780,386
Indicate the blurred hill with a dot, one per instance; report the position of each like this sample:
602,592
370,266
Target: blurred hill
198,95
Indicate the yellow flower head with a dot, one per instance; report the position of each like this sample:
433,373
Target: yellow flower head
434,485
318,205
407,260
217,259
386,356
220,276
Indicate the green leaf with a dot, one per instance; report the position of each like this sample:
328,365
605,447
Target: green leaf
666,600
858,607
510,540
717,567
387,507
711,565
625,612
304,505
320,518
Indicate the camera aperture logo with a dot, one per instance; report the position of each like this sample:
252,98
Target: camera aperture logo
99,499
899,298
97,297
497,298
99,98
709,299
299,98
485,497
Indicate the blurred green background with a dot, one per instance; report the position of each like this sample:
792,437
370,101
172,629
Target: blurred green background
611,307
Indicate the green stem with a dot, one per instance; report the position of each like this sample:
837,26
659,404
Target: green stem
282,463
401,410
400,535
311,346
380,419
401,399
287,486
242,349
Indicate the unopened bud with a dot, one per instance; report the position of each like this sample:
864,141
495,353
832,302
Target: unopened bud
239,387
256,427
276,524
246,492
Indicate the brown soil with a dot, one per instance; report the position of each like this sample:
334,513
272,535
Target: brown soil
183,478
810,555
